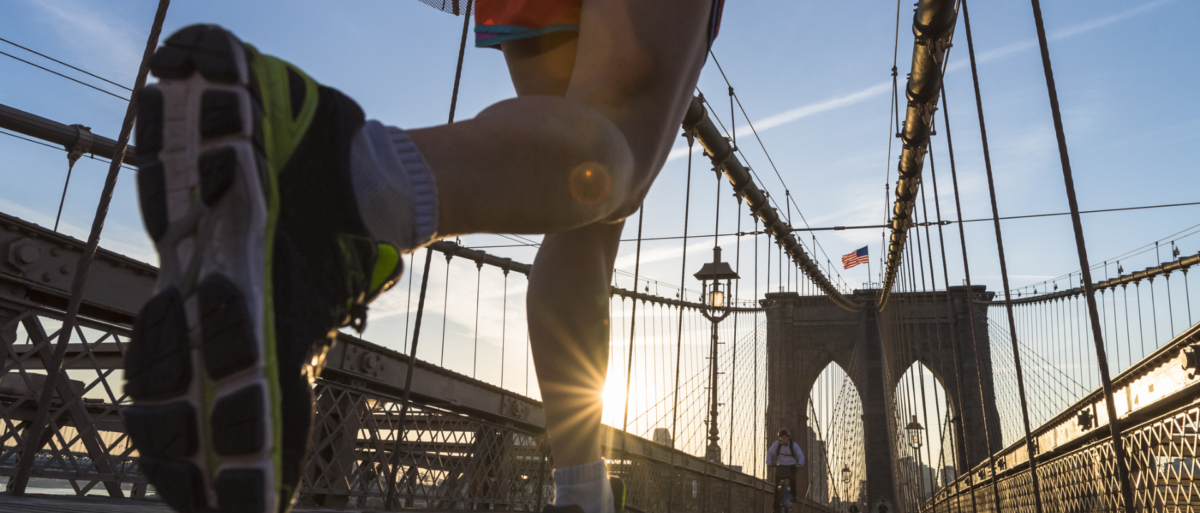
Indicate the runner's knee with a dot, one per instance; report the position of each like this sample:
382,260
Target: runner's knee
577,147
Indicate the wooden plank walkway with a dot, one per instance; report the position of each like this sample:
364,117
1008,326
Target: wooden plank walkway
69,504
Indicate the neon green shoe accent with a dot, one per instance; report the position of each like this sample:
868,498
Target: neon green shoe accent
281,135
281,132
387,270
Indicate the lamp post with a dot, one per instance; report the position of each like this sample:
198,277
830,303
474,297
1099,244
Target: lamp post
715,308
914,429
846,482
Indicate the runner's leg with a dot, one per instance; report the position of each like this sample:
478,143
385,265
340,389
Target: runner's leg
636,63
638,66
511,168
568,328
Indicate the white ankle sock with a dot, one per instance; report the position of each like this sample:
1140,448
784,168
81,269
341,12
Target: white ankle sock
584,485
396,192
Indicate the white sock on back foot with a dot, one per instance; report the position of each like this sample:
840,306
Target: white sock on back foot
396,192
584,485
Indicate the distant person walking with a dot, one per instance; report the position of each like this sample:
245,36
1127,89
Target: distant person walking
786,456
882,506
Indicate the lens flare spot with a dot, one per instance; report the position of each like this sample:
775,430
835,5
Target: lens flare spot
590,183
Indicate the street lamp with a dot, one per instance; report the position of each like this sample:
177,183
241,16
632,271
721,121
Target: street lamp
846,481
715,308
914,429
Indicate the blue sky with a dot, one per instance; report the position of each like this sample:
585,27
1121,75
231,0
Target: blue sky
813,77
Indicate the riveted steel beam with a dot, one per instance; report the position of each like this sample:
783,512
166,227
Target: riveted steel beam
68,136
697,123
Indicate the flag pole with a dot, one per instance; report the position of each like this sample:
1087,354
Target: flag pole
868,271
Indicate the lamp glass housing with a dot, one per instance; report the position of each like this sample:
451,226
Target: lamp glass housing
914,429
716,298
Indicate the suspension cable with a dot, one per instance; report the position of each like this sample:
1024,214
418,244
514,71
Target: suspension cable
969,294
687,202
1077,225
82,269
1012,327
637,266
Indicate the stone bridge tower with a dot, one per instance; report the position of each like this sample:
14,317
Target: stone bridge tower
805,334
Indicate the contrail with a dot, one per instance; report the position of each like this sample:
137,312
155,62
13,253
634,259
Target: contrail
786,117
804,111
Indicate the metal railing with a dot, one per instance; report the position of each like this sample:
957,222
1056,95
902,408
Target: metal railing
1155,397
465,444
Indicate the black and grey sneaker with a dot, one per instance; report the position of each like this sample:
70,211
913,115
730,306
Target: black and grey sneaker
618,493
245,187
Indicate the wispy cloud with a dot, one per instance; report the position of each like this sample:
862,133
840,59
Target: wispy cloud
669,253
131,242
804,111
862,95
1065,33
101,41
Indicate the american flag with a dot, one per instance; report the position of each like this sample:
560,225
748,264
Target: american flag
855,257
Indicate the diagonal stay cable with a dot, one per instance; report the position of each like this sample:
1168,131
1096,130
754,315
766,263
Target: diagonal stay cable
77,81
55,370
39,54
713,117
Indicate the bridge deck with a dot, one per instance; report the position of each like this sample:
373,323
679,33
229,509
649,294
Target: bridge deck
70,504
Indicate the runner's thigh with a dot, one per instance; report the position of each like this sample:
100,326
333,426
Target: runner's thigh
637,62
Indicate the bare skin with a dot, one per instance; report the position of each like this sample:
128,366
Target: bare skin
572,156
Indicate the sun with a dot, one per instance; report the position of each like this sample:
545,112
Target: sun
614,400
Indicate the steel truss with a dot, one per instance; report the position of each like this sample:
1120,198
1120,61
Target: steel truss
1075,463
465,444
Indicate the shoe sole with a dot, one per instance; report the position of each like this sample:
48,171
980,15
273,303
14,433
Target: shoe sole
200,366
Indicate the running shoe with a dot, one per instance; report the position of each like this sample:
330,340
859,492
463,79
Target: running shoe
244,184
618,490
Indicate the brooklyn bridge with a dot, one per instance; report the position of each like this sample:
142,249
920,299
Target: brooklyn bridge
1040,384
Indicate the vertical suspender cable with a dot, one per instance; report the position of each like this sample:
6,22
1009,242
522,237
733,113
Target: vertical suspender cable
687,204
62,201
54,371
733,366
937,329
1012,327
637,266
1080,244
478,282
937,334
394,464
968,300
755,420
408,307
445,304
462,50
412,355
503,326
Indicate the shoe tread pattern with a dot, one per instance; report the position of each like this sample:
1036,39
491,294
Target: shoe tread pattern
166,425
240,491
220,114
180,483
218,169
206,49
237,422
152,194
167,430
158,365
225,328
